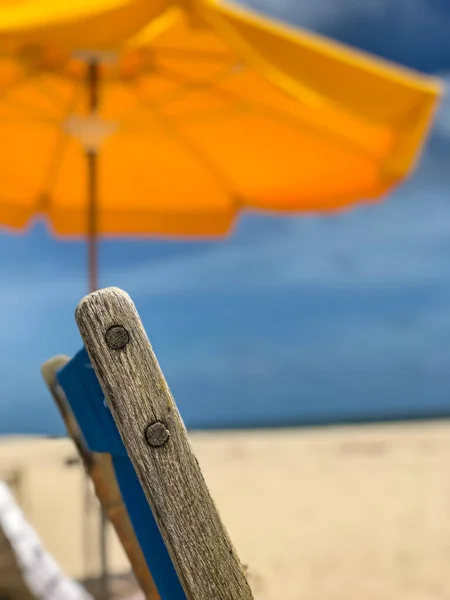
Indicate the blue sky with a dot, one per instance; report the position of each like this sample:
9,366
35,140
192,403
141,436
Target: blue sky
292,320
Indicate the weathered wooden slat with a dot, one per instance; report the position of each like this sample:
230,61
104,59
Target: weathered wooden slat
156,441
101,471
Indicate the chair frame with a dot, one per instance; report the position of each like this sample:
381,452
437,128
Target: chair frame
123,407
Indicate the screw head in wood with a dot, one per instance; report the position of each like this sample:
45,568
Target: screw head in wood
156,434
117,337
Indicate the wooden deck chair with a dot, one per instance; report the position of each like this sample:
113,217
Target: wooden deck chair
123,406
100,469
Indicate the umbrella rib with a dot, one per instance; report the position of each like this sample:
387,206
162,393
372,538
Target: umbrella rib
188,85
199,155
192,148
189,54
281,116
57,158
176,94
5,96
43,87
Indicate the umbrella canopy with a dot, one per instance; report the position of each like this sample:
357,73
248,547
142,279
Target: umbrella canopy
100,24
207,111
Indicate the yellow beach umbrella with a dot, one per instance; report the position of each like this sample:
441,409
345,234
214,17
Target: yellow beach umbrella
205,112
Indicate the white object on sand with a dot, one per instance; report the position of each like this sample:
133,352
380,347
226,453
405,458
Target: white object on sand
40,571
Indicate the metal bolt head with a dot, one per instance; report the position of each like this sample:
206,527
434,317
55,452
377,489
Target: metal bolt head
156,434
117,337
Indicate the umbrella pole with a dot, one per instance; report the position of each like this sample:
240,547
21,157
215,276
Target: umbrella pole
92,231
92,160
92,240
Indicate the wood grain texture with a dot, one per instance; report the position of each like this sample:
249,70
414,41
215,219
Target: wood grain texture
138,396
101,471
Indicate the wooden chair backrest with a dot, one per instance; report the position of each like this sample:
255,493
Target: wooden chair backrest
155,438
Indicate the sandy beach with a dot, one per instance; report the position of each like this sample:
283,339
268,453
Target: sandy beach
331,514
